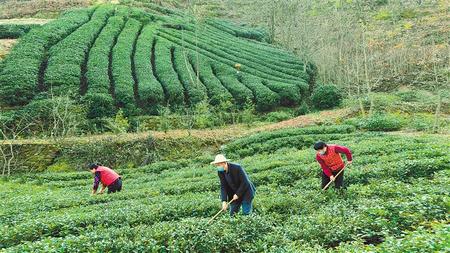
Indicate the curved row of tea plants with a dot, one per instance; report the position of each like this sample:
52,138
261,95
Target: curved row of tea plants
113,56
396,184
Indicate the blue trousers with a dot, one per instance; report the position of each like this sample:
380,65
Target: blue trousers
246,207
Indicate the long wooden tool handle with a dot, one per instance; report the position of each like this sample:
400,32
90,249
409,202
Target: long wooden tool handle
217,214
326,186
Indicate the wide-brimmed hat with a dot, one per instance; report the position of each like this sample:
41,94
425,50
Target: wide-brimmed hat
219,159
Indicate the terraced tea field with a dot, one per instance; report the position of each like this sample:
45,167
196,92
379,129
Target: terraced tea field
113,56
397,188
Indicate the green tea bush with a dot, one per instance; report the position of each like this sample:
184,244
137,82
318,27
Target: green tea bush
395,197
20,71
14,31
101,103
150,90
145,58
63,72
257,69
196,90
216,91
326,96
229,80
265,99
122,67
381,122
278,116
166,74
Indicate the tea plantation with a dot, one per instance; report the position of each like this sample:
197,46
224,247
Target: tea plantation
113,56
396,200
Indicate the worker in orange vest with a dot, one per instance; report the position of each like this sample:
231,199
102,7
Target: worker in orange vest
108,177
329,158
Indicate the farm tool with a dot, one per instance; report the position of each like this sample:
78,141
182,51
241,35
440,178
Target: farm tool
329,183
217,214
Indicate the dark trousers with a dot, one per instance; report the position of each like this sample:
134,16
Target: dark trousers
338,181
247,207
116,186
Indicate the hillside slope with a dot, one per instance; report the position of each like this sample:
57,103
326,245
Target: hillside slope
139,59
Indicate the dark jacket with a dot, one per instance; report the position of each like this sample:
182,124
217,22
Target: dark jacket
235,181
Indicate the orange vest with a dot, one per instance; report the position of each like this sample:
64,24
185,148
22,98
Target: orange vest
107,175
332,159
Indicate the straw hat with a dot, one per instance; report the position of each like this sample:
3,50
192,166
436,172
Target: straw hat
219,159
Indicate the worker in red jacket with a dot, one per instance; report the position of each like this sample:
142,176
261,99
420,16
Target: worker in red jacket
329,158
108,177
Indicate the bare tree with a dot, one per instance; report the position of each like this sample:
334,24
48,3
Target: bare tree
9,135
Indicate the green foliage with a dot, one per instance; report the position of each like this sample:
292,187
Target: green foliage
122,67
150,91
113,56
203,115
121,124
98,96
229,79
326,96
216,91
14,31
99,105
166,74
248,113
20,71
395,201
195,89
63,71
302,110
164,124
278,116
381,122
292,137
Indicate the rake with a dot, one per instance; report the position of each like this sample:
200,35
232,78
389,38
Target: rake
217,214
326,186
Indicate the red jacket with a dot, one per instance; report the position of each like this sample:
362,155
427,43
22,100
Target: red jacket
107,175
332,160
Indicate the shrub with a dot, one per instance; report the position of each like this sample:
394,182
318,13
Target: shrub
227,76
99,84
14,31
302,110
166,74
278,116
63,72
196,90
381,122
326,96
99,105
216,91
122,67
150,90
20,71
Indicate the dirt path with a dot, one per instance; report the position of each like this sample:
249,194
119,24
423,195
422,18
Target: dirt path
226,133
5,46
24,21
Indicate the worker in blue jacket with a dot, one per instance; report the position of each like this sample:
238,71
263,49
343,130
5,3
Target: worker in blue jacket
234,185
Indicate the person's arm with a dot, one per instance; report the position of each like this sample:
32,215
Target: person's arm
344,150
103,189
325,168
223,188
96,182
245,182
223,191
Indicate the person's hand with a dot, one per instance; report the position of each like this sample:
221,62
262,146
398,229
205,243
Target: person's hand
235,197
332,178
224,205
